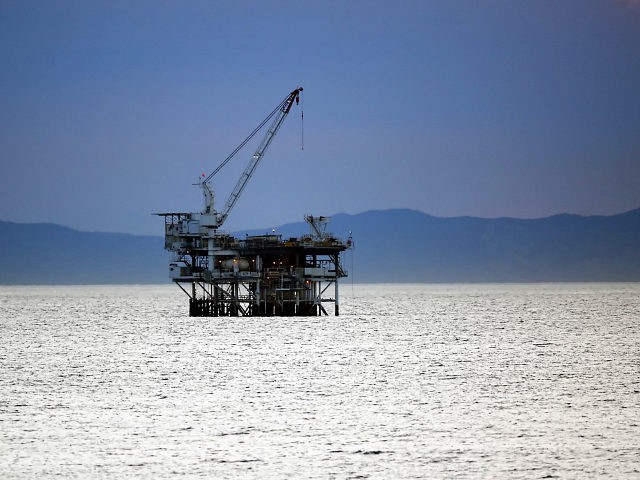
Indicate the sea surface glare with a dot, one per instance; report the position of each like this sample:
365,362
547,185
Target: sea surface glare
411,381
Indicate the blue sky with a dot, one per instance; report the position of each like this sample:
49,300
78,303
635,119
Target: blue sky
110,110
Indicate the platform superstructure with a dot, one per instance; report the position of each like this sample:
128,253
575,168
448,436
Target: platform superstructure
264,275
256,275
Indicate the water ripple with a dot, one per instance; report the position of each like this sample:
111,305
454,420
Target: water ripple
412,381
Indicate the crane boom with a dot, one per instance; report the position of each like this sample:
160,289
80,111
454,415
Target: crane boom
280,113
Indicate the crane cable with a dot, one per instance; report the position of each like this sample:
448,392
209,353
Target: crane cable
246,140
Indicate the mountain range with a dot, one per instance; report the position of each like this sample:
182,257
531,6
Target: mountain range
389,246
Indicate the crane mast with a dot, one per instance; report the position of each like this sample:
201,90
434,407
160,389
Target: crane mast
280,113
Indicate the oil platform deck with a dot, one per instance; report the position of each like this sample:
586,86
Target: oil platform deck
260,275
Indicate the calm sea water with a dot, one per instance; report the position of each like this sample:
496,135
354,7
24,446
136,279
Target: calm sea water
411,381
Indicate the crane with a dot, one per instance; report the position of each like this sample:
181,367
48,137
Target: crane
214,219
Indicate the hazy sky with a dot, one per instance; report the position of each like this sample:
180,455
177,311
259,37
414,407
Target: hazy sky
110,110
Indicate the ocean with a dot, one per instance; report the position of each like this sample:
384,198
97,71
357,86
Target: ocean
411,381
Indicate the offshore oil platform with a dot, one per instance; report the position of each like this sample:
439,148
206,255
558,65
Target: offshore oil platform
260,275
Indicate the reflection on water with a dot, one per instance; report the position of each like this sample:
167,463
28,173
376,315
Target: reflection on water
411,381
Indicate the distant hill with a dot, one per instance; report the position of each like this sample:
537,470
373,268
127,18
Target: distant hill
390,246
50,254
410,246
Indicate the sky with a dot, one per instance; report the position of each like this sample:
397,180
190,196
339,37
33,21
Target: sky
111,110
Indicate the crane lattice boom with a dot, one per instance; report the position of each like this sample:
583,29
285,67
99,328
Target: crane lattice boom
280,113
